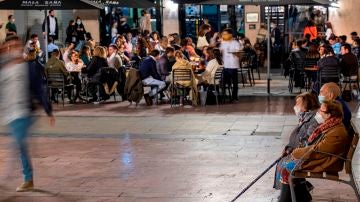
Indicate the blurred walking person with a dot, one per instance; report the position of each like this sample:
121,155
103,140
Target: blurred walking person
18,86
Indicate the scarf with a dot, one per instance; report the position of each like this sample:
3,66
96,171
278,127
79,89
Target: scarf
331,122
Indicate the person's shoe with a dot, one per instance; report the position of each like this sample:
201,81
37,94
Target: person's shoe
148,99
309,186
26,186
302,193
285,194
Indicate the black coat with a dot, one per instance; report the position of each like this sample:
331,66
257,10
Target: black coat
56,37
148,68
349,64
95,66
80,30
71,34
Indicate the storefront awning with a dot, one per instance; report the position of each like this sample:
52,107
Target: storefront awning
127,3
48,4
266,2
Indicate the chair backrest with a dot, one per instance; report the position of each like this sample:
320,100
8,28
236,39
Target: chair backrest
182,75
55,77
219,74
351,152
330,72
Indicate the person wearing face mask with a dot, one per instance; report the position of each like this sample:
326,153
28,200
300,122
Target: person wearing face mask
230,49
305,109
330,137
52,26
80,30
331,92
10,27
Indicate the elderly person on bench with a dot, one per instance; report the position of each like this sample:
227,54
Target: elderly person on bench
306,107
330,137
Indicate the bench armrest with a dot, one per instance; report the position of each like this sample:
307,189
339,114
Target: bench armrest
334,155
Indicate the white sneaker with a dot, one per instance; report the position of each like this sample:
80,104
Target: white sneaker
26,186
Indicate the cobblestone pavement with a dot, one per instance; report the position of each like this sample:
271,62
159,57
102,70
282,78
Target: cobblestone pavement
116,152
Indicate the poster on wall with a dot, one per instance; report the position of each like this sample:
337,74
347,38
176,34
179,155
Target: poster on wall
252,17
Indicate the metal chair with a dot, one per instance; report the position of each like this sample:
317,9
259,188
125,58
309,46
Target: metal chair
219,84
245,68
329,74
179,77
57,81
348,80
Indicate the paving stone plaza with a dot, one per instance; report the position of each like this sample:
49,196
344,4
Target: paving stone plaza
119,152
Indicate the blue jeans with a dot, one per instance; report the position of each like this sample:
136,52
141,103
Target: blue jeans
79,45
19,130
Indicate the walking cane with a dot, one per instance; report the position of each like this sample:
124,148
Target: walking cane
254,181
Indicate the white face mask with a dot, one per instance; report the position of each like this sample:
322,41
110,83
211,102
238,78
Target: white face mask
297,110
319,119
78,22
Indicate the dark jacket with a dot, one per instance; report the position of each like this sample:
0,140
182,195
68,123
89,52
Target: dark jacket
95,66
57,66
163,67
123,29
349,64
134,90
80,31
71,34
56,36
347,113
37,89
148,68
329,65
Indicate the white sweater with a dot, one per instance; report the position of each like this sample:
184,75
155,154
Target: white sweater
14,92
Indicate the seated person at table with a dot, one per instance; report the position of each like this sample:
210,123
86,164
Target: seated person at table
328,65
311,59
215,62
55,65
33,44
348,62
331,92
67,51
114,60
93,71
183,63
330,137
75,66
306,107
164,65
296,58
85,55
150,76
191,48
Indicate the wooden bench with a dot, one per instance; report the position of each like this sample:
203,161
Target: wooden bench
331,176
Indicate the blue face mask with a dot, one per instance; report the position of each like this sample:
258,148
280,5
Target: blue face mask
321,99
